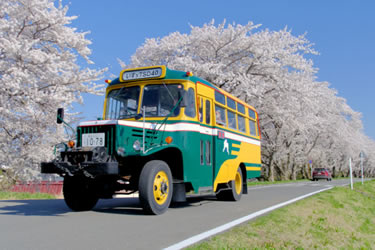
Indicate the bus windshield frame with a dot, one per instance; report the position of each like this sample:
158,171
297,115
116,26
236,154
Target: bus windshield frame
158,100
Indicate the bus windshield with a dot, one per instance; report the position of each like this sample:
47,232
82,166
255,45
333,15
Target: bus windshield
122,103
158,100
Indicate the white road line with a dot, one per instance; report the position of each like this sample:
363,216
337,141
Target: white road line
229,225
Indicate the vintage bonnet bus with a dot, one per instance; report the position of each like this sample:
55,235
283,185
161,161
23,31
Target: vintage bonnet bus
164,134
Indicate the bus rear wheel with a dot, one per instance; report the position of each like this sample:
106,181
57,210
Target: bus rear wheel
155,187
236,188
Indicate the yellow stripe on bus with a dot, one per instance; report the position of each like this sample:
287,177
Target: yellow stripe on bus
252,168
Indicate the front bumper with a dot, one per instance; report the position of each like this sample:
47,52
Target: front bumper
92,168
321,177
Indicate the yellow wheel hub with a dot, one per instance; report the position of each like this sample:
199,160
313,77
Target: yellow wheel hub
238,183
161,187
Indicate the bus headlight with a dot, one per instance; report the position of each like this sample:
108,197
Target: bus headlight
121,151
137,145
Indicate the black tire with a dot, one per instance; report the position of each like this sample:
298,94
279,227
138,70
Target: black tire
155,187
235,191
78,193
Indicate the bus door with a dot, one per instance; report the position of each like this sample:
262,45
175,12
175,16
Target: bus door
206,140
221,145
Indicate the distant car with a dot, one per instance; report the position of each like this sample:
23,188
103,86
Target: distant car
321,173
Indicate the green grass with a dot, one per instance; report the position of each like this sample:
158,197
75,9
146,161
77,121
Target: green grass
336,219
24,196
258,183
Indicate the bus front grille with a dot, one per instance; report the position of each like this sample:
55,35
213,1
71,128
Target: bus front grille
108,130
148,133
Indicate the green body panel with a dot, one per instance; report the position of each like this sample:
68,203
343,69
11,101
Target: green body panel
187,142
253,174
200,175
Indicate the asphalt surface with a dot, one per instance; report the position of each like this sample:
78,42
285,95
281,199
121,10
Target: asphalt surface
120,223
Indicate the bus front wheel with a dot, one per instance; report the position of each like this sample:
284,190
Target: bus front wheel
79,194
236,188
155,187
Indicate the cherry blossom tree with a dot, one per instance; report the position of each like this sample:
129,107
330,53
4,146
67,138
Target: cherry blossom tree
301,119
39,72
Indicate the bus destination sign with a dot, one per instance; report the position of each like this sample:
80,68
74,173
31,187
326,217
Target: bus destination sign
141,74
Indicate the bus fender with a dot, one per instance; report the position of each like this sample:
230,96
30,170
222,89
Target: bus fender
244,178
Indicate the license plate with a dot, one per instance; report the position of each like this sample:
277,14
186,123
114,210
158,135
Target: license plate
93,140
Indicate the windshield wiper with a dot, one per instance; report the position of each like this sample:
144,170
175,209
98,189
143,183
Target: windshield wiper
127,116
169,92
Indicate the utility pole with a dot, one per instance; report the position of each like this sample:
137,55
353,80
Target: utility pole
361,156
351,174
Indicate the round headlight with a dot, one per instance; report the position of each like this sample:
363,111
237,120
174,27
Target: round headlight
137,145
121,151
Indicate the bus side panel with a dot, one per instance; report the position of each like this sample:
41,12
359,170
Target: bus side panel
230,154
253,173
200,175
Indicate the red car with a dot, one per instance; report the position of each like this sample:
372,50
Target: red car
321,173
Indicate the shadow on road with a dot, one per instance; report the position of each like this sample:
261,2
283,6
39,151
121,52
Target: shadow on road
194,201
133,207
33,207
126,206
59,208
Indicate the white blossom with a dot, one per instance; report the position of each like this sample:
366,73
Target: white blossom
301,119
39,72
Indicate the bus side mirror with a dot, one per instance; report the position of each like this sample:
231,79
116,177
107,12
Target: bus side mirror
60,115
138,116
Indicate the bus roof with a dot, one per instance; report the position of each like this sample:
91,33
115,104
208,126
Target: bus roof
162,72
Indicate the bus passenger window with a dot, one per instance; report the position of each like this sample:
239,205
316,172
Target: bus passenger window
241,108
231,103
208,112
208,153
200,109
232,120
201,152
219,97
241,124
252,113
220,115
253,131
190,109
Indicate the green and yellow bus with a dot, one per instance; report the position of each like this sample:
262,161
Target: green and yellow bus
164,133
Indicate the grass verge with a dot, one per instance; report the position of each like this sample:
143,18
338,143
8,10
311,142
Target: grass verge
339,218
24,196
259,183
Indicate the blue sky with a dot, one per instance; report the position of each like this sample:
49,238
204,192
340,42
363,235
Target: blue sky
343,33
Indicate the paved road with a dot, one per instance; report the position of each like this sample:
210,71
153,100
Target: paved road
120,223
